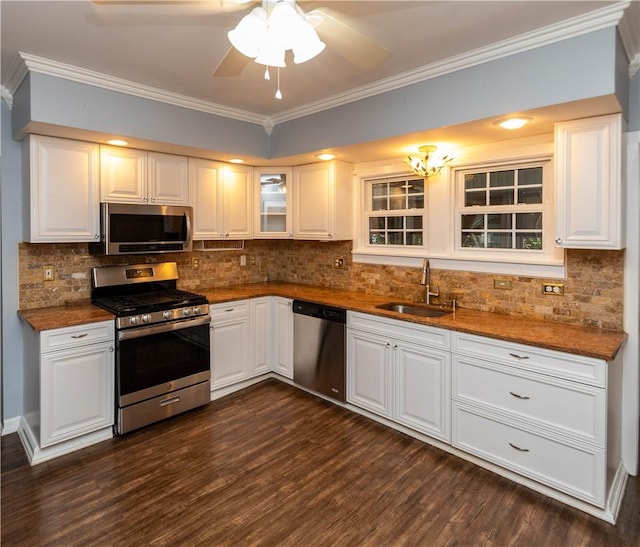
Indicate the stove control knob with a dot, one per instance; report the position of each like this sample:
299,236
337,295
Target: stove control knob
186,312
145,318
166,314
196,310
133,320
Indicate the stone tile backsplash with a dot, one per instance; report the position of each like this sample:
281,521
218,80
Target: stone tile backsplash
593,288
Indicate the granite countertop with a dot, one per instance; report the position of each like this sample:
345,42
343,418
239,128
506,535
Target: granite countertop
586,341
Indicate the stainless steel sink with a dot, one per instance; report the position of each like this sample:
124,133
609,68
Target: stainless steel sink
414,309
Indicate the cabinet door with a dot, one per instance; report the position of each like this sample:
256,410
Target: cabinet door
369,372
313,196
205,179
123,175
423,386
76,392
168,182
229,351
262,336
589,183
272,217
283,337
64,194
238,202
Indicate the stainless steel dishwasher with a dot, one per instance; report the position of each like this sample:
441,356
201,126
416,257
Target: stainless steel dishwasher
319,347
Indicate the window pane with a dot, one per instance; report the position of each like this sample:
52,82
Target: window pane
475,198
532,175
501,178
499,222
498,240
376,223
376,238
530,195
416,202
395,238
416,186
472,222
396,203
475,180
529,221
526,240
472,240
414,223
395,223
501,197
379,204
379,189
398,188
414,238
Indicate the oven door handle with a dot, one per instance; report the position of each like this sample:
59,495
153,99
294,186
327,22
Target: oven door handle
164,327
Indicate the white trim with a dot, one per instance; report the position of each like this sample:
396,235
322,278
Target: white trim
629,29
10,425
563,30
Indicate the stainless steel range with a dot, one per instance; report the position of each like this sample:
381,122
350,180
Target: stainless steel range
162,342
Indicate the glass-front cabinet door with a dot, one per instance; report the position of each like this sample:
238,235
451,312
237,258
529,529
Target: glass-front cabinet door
273,187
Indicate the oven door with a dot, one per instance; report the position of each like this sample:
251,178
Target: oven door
158,359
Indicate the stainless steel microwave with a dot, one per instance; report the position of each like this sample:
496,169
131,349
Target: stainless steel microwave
127,229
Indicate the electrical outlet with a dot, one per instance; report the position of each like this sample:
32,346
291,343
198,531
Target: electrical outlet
243,260
252,260
338,262
556,289
502,284
195,262
47,273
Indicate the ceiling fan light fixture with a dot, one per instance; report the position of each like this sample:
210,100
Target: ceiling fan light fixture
428,165
271,54
250,32
306,43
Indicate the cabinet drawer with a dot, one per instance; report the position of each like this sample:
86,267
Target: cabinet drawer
228,309
577,470
412,332
575,409
82,335
555,363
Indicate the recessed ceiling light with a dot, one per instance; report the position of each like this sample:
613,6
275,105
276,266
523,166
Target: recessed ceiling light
514,123
117,142
236,160
325,157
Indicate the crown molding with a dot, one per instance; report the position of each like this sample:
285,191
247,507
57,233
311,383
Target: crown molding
564,30
576,26
6,97
111,83
629,28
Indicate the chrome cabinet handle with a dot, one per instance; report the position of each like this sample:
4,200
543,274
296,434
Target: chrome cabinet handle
111,349
79,335
518,448
523,397
229,309
388,345
521,357
395,347
96,236
558,240
171,401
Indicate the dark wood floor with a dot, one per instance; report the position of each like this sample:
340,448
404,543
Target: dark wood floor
273,465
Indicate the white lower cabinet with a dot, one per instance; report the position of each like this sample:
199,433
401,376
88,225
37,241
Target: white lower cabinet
261,334
539,413
71,389
230,349
282,350
390,374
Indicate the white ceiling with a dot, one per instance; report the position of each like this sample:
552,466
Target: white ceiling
175,45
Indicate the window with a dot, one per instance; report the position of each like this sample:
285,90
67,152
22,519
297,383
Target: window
395,212
503,208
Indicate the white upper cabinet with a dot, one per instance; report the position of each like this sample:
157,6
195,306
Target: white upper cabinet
272,218
222,200
322,198
136,176
589,212
63,190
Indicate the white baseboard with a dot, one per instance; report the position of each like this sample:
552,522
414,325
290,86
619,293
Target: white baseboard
10,425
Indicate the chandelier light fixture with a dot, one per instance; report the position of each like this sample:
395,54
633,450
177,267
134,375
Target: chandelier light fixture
267,32
427,165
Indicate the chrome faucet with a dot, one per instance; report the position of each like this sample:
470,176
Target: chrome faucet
426,282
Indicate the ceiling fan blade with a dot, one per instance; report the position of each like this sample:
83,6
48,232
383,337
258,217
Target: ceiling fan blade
179,6
232,64
348,42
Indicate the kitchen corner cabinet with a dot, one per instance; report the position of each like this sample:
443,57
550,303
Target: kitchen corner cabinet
230,343
322,201
589,192
70,374
272,219
400,371
222,200
282,319
261,334
63,190
136,176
